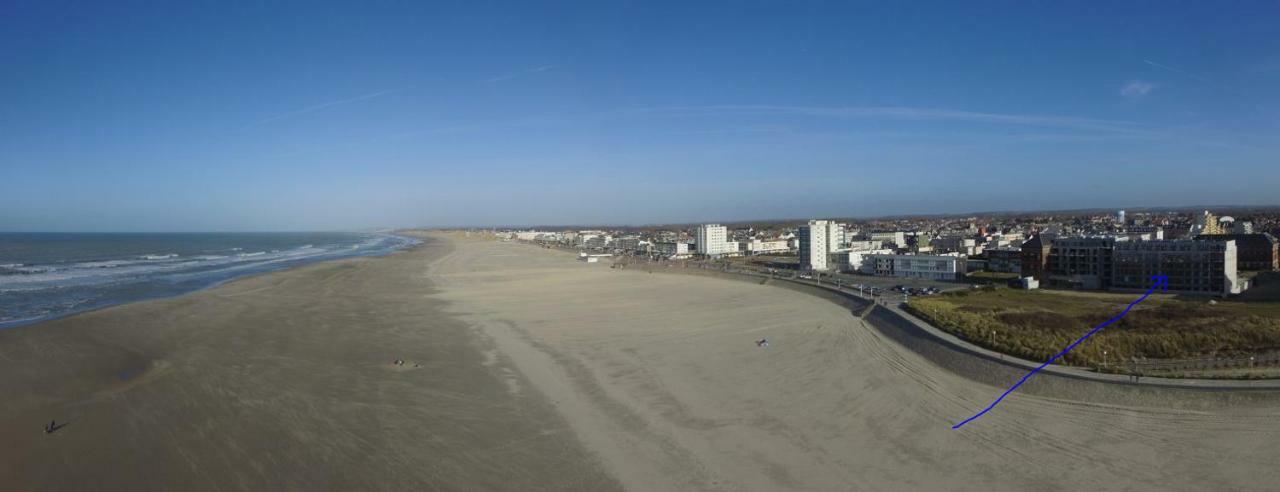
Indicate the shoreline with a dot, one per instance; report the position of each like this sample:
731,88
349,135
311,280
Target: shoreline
282,380
38,320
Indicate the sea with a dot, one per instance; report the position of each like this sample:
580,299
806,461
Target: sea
50,275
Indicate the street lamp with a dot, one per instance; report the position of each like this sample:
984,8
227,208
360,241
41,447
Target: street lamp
1104,359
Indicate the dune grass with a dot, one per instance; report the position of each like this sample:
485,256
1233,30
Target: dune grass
1037,324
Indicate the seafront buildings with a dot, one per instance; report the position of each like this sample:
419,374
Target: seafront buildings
1081,262
1086,251
1257,252
813,245
711,240
1193,267
933,267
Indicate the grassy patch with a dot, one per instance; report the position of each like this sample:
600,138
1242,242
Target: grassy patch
991,276
1037,324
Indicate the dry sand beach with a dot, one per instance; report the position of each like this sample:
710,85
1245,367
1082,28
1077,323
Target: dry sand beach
539,372
659,376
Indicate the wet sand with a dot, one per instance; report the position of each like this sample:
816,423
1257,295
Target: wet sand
659,375
282,381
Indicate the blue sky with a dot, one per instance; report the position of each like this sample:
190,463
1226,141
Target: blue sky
162,117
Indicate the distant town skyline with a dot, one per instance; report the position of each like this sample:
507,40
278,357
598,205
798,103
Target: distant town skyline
325,116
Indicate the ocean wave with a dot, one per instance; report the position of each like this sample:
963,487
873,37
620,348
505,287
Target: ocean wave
55,289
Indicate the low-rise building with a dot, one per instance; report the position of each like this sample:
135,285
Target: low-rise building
759,246
897,238
1258,252
1004,260
857,260
676,249
1081,262
1035,256
934,267
955,244
629,243
864,245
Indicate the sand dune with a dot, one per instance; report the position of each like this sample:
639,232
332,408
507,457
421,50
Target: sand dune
659,376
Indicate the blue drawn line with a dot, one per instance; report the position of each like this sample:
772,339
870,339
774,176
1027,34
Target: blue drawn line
1158,282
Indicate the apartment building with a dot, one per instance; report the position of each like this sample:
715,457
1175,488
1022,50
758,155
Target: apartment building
1193,267
1080,262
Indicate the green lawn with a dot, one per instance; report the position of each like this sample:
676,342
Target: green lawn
1037,324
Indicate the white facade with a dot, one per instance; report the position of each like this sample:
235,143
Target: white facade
630,243
712,240
757,246
956,244
899,238
529,235
864,245
835,236
813,245
674,250
858,260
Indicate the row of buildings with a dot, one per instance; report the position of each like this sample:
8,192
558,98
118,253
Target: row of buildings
1200,252
1208,264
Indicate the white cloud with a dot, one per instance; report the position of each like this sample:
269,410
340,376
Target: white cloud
900,112
1137,89
513,75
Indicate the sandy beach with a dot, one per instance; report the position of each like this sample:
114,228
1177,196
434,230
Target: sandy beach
659,375
281,381
528,370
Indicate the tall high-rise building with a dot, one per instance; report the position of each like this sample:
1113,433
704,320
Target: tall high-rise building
1120,217
813,245
836,239
712,239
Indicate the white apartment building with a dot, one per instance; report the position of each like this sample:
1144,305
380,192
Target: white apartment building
850,261
712,240
863,245
672,250
759,246
835,236
813,245
529,235
630,243
956,244
899,238
935,267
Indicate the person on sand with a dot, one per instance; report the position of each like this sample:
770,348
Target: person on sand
763,342
53,424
